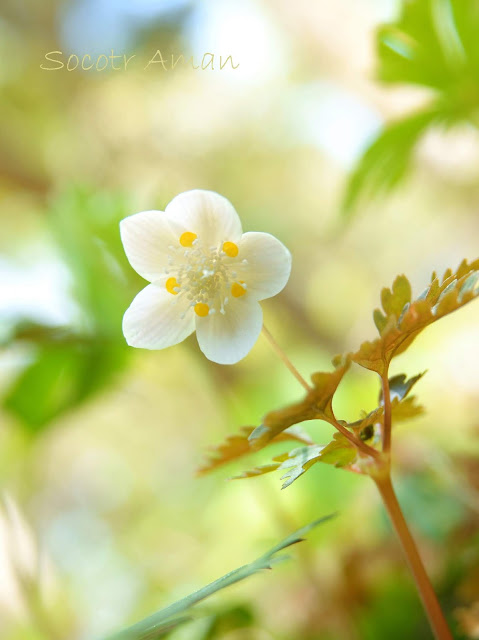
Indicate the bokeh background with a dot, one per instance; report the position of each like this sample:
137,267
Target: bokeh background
103,520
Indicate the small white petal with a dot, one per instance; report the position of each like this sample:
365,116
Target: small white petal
146,237
228,338
157,319
211,216
265,264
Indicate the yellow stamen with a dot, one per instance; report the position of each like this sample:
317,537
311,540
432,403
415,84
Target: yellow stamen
237,290
187,238
231,249
201,309
170,285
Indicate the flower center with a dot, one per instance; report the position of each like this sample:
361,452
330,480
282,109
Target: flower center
205,275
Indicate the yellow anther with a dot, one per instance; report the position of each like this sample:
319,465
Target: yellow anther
187,238
237,290
231,249
171,285
201,309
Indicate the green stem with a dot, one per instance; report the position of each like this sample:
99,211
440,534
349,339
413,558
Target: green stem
285,359
361,446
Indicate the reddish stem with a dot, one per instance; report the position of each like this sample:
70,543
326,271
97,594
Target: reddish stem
387,414
426,592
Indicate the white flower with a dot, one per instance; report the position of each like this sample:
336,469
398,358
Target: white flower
205,274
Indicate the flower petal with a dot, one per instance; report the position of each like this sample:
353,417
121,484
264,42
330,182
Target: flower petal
228,338
207,214
153,320
267,267
146,237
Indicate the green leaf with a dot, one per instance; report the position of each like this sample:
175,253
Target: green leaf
258,471
85,225
317,405
395,299
387,159
227,620
405,409
165,620
298,461
439,299
64,372
433,44
339,452
424,46
238,445
67,366
400,386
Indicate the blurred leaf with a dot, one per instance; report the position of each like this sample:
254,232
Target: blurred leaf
433,44
259,471
405,409
387,158
62,375
236,446
438,300
236,617
317,405
70,365
400,386
364,427
85,225
162,622
394,300
339,452
425,46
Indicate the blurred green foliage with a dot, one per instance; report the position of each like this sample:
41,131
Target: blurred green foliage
434,45
68,365
99,444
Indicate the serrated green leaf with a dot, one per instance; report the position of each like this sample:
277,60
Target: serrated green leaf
364,427
238,445
339,452
298,461
380,320
395,299
438,300
165,620
258,471
317,405
405,409
400,386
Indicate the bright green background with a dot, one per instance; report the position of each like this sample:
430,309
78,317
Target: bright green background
99,443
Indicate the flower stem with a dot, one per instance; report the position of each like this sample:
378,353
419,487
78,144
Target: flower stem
285,359
359,444
362,446
426,592
387,414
